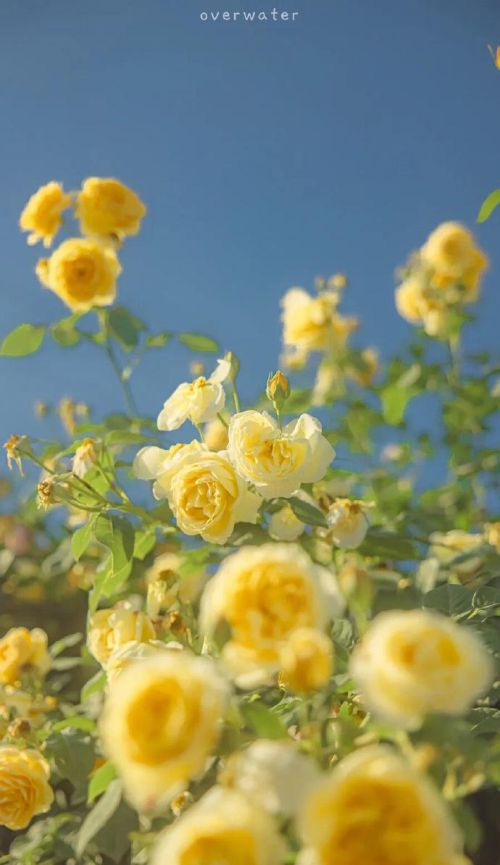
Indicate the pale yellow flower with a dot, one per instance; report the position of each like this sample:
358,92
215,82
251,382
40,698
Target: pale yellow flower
110,629
410,298
198,401
222,828
274,775
264,594
25,706
160,724
42,215
277,461
414,662
375,808
22,650
306,660
455,259
82,272
107,207
85,458
204,491
215,435
284,525
312,323
167,587
24,787
449,547
348,522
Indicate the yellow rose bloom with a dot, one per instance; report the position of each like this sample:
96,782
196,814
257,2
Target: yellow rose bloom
108,630
21,651
374,807
82,272
308,320
42,214
306,660
204,491
348,522
413,662
223,828
285,526
449,547
107,207
410,297
198,401
452,254
168,587
263,594
161,722
277,461
24,787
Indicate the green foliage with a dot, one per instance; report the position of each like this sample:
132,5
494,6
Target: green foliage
24,339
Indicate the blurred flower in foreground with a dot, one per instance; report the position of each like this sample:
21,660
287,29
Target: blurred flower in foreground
42,215
306,660
82,272
24,787
107,207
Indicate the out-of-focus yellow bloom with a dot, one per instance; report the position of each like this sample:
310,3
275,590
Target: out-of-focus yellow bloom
107,207
285,526
24,787
337,282
161,722
492,534
42,215
85,457
22,650
455,259
198,401
413,662
348,522
373,807
110,629
306,660
129,653
82,272
410,297
308,320
277,461
223,828
24,706
204,491
264,594
215,435
449,547
166,586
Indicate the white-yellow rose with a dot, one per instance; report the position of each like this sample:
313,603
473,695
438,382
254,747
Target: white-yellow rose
161,723
414,662
110,629
278,461
375,808
263,594
24,787
203,489
198,401
284,525
348,522
312,323
223,828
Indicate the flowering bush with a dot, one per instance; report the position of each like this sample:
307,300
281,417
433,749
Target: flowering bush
276,643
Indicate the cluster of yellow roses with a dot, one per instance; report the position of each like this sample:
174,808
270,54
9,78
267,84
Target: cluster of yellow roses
83,270
443,276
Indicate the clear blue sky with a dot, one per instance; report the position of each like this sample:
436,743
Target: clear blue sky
266,153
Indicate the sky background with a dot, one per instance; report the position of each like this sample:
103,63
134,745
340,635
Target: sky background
266,153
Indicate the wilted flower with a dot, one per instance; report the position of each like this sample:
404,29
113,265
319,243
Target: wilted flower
13,455
85,458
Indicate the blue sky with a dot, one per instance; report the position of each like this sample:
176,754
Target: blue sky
267,153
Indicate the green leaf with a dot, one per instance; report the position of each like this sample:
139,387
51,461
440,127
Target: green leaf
65,643
199,342
81,539
117,534
489,205
65,332
262,721
158,340
387,545
100,780
94,685
395,399
25,339
144,542
99,816
306,512
453,600
73,754
125,327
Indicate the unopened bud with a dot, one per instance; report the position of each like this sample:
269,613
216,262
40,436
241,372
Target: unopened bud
278,389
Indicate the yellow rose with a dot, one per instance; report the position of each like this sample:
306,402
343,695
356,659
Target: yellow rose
374,807
110,629
24,787
452,254
161,722
278,461
198,401
82,272
204,491
106,206
223,828
42,214
264,594
21,651
312,323
348,522
413,662
453,550
306,660
167,586
410,297
285,526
